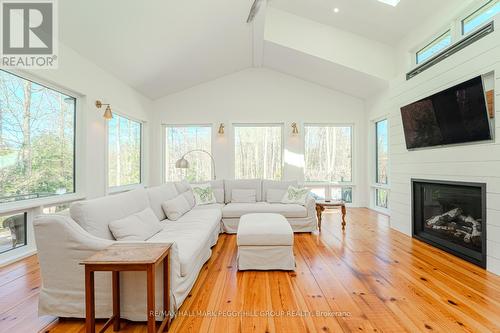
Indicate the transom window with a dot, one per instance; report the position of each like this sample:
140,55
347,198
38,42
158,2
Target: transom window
328,153
480,16
258,151
434,47
37,135
124,151
180,140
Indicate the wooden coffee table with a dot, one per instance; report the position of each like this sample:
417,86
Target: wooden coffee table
128,257
321,205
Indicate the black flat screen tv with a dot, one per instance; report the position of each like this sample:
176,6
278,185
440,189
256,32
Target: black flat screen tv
456,115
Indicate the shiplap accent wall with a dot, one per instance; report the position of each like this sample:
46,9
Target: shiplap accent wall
479,162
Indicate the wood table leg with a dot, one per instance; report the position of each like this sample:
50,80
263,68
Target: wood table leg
319,211
343,217
166,289
151,272
116,301
89,301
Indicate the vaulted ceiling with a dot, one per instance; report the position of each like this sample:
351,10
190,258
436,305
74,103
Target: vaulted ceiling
161,46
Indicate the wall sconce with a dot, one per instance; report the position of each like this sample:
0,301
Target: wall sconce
295,129
107,112
221,129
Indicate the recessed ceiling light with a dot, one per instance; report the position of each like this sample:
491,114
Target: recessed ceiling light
393,3
336,10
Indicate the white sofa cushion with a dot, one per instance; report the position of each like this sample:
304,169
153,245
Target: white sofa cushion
203,194
243,196
243,184
276,185
264,229
192,234
236,210
136,227
217,187
158,195
295,195
94,215
275,195
178,206
182,186
216,206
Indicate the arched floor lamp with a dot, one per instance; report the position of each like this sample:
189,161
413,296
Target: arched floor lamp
182,163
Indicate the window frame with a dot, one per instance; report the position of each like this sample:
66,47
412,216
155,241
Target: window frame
434,40
351,183
128,187
164,145
473,10
79,150
282,150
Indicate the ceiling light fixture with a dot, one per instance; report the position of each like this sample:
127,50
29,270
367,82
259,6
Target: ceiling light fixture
392,3
336,10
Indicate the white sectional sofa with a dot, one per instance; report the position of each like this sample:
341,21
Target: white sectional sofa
63,241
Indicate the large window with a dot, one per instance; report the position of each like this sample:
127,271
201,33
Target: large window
328,153
381,162
37,134
180,140
382,151
124,151
434,47
13,231
480,16
258,151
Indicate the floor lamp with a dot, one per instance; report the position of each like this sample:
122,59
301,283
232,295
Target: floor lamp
182,163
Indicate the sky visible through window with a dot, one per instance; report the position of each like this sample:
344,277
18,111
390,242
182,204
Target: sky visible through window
37,132
434,47
382,151
182,139
481,16
124,151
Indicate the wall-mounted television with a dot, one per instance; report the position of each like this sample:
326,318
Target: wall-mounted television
456,115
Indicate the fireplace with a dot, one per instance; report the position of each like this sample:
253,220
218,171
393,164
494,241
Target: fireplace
451,216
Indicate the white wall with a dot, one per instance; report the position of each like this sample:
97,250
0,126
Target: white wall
472,162
261,96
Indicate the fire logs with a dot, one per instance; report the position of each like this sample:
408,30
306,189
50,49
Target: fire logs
455,224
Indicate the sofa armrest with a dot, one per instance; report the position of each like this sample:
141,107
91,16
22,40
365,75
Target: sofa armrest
62,244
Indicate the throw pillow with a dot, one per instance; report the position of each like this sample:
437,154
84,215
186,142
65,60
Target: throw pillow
178,206
275,195
203,194
295,195
243,196
136,227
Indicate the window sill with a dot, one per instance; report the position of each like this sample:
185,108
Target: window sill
33,203
125,188
382,186
348,184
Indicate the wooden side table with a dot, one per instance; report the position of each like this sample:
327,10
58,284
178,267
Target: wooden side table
128,257
321,205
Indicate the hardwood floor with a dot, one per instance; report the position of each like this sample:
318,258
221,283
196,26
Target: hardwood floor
369,278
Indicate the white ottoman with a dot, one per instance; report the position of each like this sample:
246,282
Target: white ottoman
265,242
